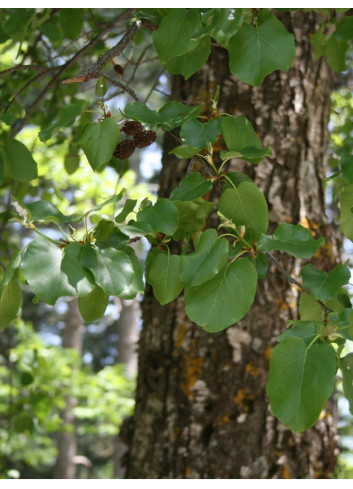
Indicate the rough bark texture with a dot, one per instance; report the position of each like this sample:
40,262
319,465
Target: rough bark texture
201,407
65,467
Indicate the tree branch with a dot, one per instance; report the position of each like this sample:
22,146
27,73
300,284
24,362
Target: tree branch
17,127
95,71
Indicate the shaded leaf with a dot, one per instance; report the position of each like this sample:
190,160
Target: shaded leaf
174,36
191,187
112,269
300,381
93,305
189,63
225,299
161,217
18,161
98,141
206,261
257,50
245,206
294,240
66,118
323,285
163,275
10,301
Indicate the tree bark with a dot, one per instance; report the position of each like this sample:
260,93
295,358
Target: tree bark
201,405
66,467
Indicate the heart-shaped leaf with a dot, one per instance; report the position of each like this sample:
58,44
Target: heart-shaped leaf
225,299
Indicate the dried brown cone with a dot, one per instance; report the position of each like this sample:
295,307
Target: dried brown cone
145,138
125,149
132,128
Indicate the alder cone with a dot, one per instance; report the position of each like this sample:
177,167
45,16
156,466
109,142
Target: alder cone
131,128
145,138
125,149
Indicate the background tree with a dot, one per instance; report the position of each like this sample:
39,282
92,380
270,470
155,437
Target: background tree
244,163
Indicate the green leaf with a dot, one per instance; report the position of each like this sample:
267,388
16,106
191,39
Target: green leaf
42,210
344,29
137,284
98,141
163,275
309,308
234,179
191,187
225,299
140,112
101,87
93,305
184,151
11,268
346,207
346,366
222,23
162,217
255,51
241,140
129,206
52,272
112,269
198,134
17,21
300,381
174,37
294,240
18,161
174,114
10,301
335,52
171,115
245,206
189,63
206,261
306,330
192,217
66,118
261,264
77,277
323,285
347,167
71,22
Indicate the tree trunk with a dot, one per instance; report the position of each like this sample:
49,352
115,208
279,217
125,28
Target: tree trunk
65,467
201,406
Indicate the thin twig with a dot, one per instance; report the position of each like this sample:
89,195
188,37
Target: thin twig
153,86
24,67
292,280
118,83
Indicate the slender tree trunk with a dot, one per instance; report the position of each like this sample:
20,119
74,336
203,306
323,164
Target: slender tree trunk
128,333
201,406
65,467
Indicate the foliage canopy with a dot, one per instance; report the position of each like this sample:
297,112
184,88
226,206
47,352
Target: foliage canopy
218,269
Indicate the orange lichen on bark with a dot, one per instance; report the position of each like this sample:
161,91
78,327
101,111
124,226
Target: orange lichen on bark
268,353
286,472
251,369
221,420
180,335
192,372
244,398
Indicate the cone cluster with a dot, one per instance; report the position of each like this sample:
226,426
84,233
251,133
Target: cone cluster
141,139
